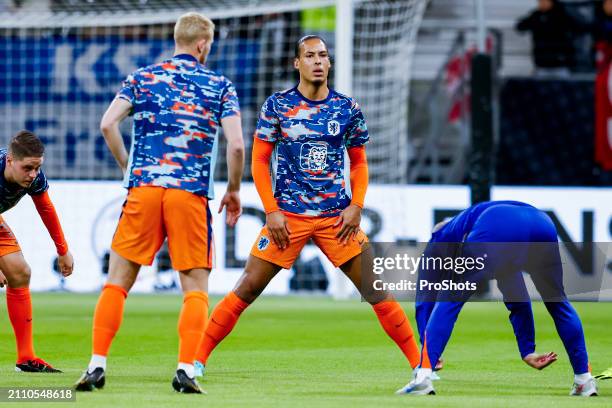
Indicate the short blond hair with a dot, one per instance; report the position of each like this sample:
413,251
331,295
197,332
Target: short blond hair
193,27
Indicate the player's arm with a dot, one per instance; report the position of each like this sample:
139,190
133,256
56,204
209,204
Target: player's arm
356,138
276,221
47,213
232,129
118,110
523,325
266,135
351,216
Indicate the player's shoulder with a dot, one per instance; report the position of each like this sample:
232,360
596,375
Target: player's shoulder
288,94
149,69
344,99
284,97
213,76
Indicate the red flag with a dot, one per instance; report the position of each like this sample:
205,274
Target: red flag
603,109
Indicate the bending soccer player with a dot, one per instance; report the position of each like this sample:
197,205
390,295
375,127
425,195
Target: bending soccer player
509,237
309,127
179,107
21,174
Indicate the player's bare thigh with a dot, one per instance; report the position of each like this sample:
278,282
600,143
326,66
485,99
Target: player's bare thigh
121,272
16,270
256,276
360,270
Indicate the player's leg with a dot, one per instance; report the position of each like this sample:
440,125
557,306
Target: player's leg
138,236
437,334
426,296
389,312
256,276
190,244
546,270
191,325
19,302
264,262
355,259
107,319
19,306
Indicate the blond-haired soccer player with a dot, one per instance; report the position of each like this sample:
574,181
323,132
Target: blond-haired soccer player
21,174
309,127
179,107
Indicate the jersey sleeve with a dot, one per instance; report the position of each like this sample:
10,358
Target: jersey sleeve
357,131
39,185
128,89
229,102
268,125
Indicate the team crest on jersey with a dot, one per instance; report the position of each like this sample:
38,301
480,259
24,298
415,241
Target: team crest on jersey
313,156
263,243
333,127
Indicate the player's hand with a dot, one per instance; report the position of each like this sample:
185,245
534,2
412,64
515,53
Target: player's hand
349,220
3,280
66,264
233,209
278,228
540,361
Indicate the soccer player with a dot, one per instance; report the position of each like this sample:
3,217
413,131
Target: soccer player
21,174
309,128
511,237
179,107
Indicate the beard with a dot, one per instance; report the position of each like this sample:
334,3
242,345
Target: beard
318,81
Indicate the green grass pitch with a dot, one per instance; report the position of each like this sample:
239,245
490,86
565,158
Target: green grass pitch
294,351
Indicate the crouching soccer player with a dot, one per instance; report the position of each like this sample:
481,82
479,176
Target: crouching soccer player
309,127
513,237
21,174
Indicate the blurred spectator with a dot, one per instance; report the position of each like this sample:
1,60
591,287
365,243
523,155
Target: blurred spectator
552,29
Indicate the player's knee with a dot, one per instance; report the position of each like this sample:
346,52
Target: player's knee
373,296
20,276
248,290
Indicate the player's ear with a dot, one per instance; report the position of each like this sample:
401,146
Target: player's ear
201,46
296,63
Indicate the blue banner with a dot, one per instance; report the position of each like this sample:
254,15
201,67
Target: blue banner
79,69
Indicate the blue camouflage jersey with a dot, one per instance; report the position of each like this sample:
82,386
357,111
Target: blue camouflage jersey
177,106
11,193
310,140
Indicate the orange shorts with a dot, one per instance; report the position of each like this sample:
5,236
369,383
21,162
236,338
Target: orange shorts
322,232
8,242
150,214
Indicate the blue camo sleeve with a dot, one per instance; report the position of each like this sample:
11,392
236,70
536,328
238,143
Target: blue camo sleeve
357,132
268,125
229,102
128,89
